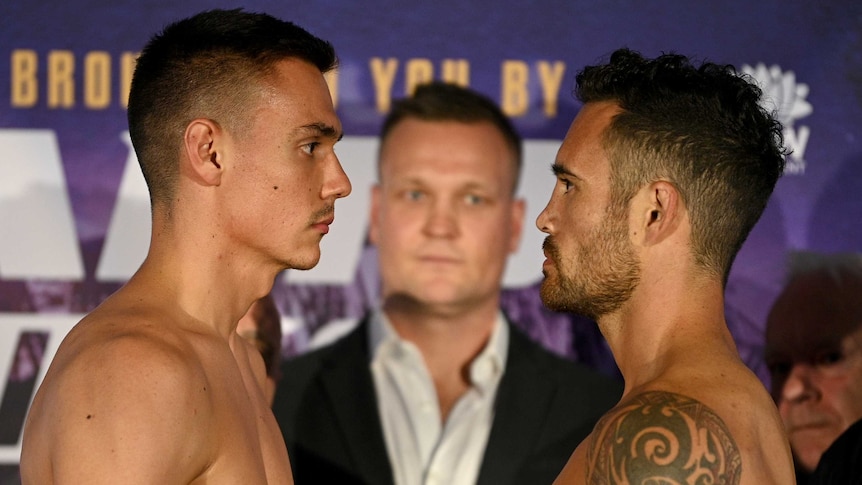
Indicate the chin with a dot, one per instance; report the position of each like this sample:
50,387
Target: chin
807,462
302,263
423,297
306,265
552,296
560,299
809,449
440,292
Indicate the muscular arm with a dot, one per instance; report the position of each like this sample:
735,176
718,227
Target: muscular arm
662,437
130,410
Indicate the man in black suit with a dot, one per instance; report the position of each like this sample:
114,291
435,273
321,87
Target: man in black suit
436,385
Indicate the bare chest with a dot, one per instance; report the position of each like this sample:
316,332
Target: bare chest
247,445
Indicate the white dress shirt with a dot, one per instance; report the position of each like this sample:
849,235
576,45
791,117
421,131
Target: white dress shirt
422,450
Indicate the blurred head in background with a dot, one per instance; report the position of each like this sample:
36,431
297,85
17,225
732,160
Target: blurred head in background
814,351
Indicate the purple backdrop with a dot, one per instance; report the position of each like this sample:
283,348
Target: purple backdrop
73,217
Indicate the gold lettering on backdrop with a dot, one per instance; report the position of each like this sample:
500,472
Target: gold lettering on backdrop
332,82
25,84
97,80
101,77
127,68
418,71
61,83
456,71
383,76
551,77
62,75
514,96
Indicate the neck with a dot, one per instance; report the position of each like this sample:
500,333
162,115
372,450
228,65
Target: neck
448,338
668,323
202,279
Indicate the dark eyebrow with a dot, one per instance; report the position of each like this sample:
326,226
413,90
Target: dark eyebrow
322,129
561,170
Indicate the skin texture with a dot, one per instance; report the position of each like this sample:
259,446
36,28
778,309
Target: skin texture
814,353
690,409
608,270
659,436
155,385
444,220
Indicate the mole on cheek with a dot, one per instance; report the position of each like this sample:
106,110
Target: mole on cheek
275,187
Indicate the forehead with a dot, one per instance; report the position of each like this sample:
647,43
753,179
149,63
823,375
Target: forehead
296,91
581,152
814,310
446,148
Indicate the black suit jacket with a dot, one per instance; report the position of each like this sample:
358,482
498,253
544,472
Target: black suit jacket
327,409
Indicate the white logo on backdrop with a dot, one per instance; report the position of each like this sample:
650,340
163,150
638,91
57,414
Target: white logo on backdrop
783,95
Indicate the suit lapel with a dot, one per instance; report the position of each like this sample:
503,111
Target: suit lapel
347,381
520,410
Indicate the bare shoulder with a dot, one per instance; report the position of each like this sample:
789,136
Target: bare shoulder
663,437
119,354
669,437
122,399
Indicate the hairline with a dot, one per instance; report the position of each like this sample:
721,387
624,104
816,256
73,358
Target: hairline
513,162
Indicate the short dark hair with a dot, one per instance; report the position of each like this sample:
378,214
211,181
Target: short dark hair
441,101
703,129
206,66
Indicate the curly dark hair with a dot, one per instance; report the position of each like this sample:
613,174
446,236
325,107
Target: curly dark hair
702,128
209,65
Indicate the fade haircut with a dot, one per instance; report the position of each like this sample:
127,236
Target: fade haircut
440,101
701,128
210,66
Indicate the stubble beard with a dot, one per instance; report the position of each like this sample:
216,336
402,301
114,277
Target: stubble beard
599,279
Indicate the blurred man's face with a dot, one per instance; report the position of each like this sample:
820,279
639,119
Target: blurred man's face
814,354
444,217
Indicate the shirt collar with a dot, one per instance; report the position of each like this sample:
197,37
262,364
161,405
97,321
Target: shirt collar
485,370
381,336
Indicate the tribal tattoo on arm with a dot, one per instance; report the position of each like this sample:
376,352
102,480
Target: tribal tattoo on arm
662,438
